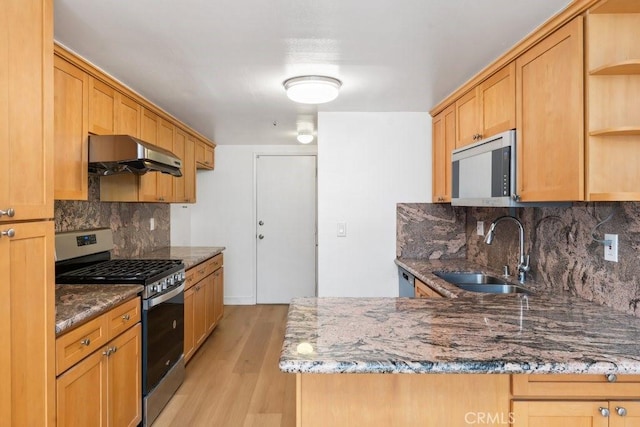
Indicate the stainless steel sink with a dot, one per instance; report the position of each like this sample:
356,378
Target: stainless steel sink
480,282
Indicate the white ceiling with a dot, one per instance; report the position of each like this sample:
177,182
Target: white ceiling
219,65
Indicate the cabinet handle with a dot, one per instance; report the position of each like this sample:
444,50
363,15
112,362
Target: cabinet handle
126,317
621,411
114,349
515,197
9,233
612,378
9,212
201,271
85,341
603,411
107,352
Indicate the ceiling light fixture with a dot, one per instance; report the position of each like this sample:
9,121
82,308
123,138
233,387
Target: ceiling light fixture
305,137
312,89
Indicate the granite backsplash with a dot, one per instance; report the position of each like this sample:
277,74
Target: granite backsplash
130,222
564,255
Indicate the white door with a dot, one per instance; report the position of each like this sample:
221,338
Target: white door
285,227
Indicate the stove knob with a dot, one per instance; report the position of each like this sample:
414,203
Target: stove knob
163,284
182,275
154,288
176,277
170,281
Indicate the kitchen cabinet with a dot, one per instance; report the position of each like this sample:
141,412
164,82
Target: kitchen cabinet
487,109
70,130
443,141
184,186
99,363
149,133
573,400
550,117
166,136
102,108
27,294
203,306
422,290
613,136
205,156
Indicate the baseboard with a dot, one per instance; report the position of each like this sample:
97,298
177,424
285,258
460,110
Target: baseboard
239,300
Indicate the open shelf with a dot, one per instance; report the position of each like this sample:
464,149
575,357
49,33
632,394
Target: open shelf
617,69
617,131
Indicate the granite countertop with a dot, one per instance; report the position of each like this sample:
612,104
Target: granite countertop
75,304
190,255
479,333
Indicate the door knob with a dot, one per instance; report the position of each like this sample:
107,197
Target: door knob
260,236
261,223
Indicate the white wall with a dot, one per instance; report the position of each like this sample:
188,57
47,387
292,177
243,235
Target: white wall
224,214
367,162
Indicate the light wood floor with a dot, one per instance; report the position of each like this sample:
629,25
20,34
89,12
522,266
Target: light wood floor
234,380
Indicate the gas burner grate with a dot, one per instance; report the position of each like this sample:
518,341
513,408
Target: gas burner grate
124,270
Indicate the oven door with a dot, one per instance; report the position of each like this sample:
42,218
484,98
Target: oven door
162,336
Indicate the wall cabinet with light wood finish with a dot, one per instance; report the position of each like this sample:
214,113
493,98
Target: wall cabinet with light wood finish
70,130
203,306
27,293
550,117
99,363
205,155
487,109
575,400
443,142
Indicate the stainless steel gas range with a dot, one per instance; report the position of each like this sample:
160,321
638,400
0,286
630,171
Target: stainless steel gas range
84,257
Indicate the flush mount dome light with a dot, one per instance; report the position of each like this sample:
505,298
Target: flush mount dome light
312,89
305,137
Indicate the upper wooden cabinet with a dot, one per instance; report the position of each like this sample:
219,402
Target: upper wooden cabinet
205,156
550,117
487,109
184,186
443,142
102,108
70,130
128,116
613,82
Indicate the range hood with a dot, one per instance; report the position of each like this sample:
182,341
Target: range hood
114,154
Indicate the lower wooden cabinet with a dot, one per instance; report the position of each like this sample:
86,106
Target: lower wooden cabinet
203,303
568,413
105,387
422,290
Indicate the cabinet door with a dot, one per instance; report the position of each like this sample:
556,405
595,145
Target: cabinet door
102,108
443,140
179,148
200,309
218,289
424,291
148,133
189,323
468,124
189,170
70,131
624,414
27,324
164,189
498,101
550,117
210,306
125,379
26,109
558,414
128,116
205,157
82,396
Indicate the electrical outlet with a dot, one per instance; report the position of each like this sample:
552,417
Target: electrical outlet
152,224
611,249
480,228
342,229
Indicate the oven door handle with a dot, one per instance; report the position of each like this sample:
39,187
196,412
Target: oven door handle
152,302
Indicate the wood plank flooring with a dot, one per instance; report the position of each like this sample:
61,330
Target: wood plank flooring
233,379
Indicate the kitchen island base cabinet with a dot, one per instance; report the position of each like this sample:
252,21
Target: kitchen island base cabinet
402,400
576,413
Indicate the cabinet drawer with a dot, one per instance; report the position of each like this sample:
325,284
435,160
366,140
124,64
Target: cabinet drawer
213,264
190,278
80,342
592,386
123,317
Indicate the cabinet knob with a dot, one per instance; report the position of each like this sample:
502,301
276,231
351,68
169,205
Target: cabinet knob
126,317
260,236
107,352
85,341
9,212
9,233
114,349
603,411
612,378
515,197
621,411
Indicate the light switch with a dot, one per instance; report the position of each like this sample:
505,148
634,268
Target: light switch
342,229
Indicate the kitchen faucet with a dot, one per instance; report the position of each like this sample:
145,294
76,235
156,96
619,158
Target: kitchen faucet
523,265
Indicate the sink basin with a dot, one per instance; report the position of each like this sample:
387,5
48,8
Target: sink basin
480,282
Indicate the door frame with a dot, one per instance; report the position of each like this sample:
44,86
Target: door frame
255,215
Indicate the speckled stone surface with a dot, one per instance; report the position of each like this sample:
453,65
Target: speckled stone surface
189,255
471,334
75,304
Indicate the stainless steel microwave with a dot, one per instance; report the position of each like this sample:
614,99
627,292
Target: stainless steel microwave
484,173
